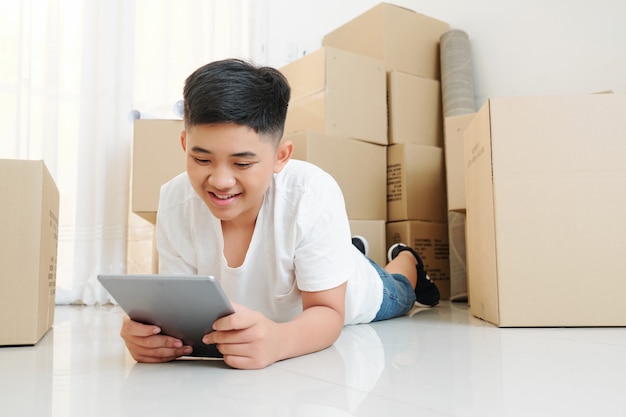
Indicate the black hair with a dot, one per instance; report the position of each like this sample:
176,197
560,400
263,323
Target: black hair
235,91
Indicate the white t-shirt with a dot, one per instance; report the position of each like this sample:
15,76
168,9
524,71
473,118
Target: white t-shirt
301,242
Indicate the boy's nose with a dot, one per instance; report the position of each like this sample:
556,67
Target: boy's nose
221,179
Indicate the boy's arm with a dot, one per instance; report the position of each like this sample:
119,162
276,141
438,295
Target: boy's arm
319,325
249,340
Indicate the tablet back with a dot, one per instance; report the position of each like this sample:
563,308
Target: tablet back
183,306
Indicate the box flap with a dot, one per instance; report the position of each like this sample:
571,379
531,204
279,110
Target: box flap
481,237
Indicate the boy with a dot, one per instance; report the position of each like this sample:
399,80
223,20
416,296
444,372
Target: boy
274,231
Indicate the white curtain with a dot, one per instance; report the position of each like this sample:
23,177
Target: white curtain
71,72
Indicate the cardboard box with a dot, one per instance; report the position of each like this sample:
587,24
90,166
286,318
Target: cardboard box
339,93
430,240
454,127
357,166
375,231
29,228
157,158
414,107
405,40
546,197
416,187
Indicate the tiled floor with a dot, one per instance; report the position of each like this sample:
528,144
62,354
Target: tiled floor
440,362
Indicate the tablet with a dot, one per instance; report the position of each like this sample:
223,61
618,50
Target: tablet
183,306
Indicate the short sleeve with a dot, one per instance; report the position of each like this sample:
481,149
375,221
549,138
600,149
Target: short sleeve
323,249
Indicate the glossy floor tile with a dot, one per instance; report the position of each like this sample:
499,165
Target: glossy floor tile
438,362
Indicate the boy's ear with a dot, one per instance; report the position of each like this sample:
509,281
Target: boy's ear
283,154
183,140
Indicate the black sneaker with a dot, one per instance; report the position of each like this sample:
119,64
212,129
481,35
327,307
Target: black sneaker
426,292
361,244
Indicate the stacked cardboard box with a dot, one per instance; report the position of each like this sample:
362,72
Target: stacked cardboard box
157,158
29,225
373,89
339,93
337,119
404,40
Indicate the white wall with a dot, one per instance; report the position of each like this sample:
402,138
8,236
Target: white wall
519,47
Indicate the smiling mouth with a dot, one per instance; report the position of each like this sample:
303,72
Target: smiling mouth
223,196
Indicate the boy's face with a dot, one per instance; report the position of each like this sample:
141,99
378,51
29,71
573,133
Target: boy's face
231,167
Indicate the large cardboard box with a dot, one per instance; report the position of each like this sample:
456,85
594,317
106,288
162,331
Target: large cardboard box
339,93
430,240
546,197
454,127
29,228
375,232
414,107
357,166
405,40
157,158
416,188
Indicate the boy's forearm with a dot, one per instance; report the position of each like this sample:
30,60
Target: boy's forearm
316,328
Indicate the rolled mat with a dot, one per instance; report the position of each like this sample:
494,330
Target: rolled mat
457,83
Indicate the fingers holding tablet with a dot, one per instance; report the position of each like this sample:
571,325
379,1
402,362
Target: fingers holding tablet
146,344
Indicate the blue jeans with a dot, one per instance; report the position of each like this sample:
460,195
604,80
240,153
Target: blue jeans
398,295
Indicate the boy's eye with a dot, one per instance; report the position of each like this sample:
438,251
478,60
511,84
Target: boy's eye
243,165
201,161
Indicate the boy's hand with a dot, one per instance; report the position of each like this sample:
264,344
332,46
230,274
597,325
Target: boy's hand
145,344
247,339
